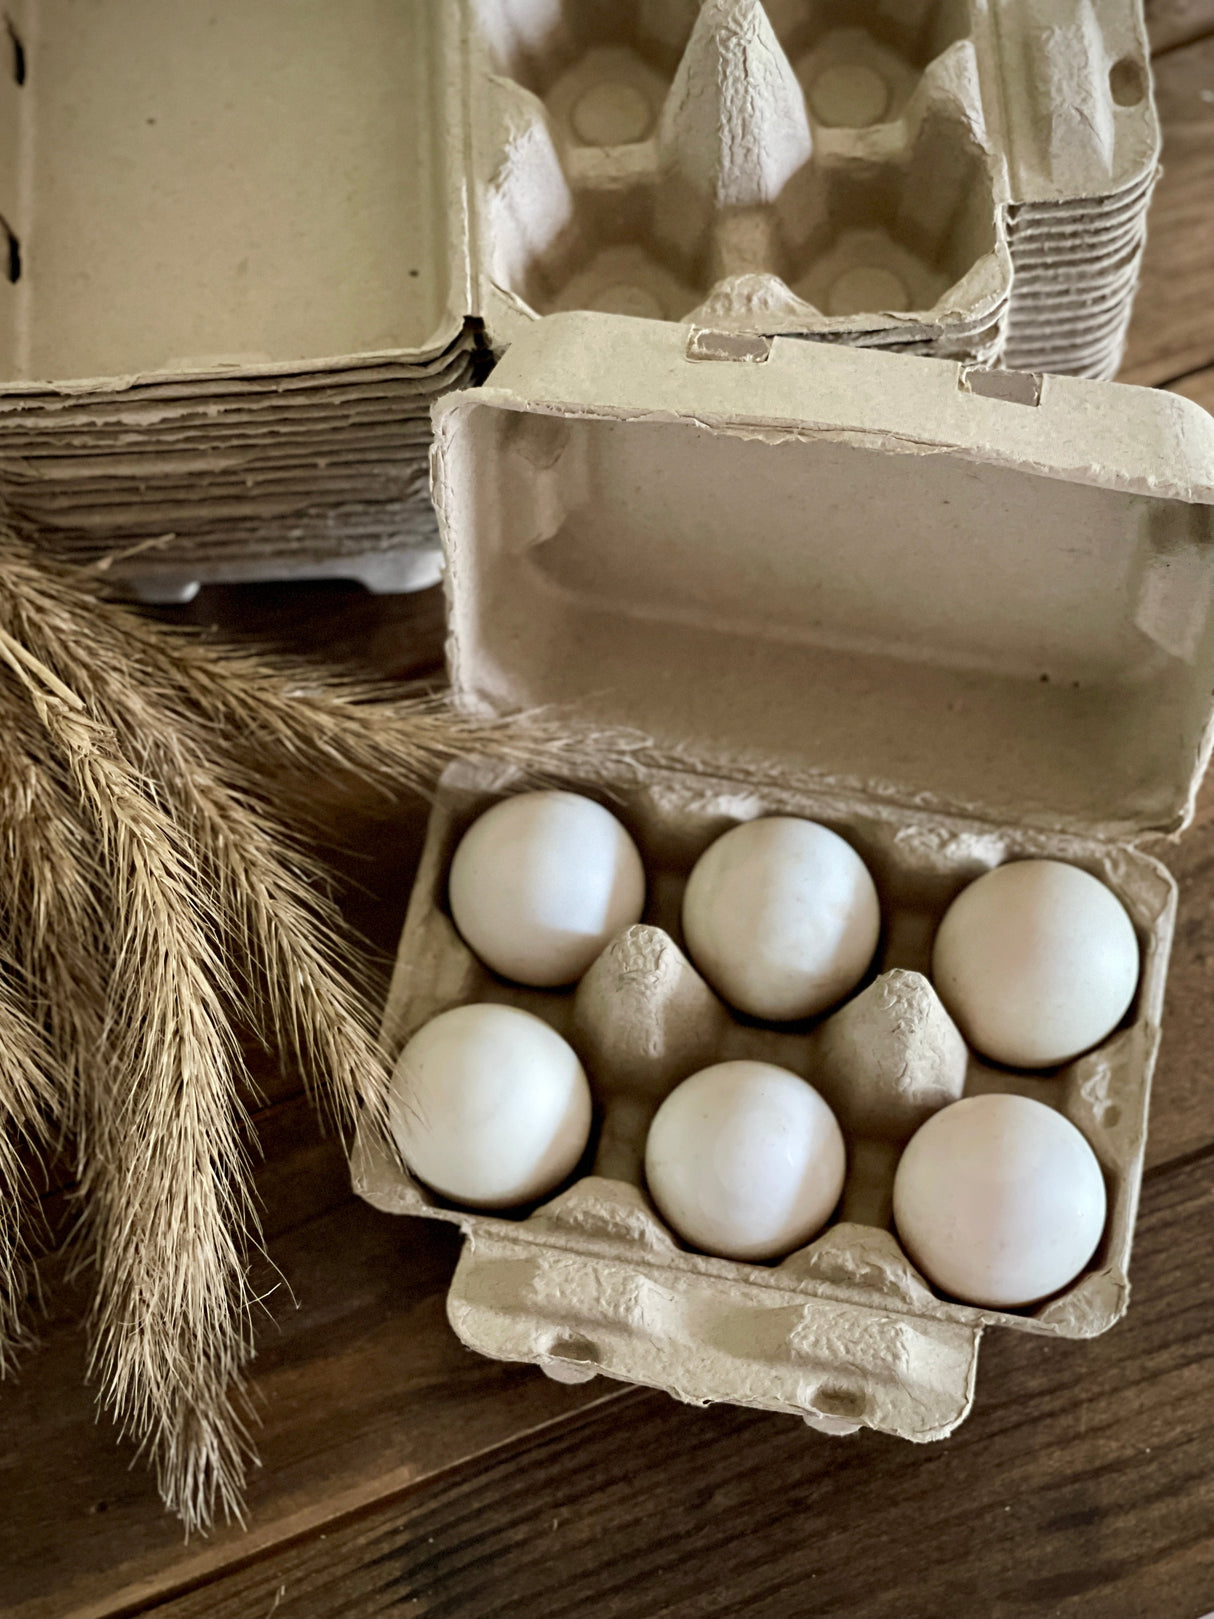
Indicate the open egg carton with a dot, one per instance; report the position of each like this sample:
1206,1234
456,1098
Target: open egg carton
236,280
933,176
977,628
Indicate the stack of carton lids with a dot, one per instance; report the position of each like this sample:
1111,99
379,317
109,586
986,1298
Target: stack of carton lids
249,244
227,310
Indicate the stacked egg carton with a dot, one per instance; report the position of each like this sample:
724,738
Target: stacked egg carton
228,311
226,317
1083,151
290,476
791,172
984,687
871,177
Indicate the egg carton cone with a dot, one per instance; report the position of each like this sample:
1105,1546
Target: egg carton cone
987,687
707,165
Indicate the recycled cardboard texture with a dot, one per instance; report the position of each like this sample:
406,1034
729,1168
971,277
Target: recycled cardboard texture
872,176
210,215
266,193
205,186
678,164
1102,580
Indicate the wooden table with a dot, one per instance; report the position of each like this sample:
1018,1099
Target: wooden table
403,1475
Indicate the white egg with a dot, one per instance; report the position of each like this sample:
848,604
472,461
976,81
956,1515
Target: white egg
999,1200
782,917
1037,961
541,883
489,1106
745,1160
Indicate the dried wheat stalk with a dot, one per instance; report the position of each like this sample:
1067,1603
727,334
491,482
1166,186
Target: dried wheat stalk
25,1091
163,1171
155,898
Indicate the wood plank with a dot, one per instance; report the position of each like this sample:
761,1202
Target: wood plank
1177,22
1197,386
1182,1093
1079,1487
1172,331
362,1387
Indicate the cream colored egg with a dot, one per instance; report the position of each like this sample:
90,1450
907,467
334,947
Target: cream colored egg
999,1200
489,1106
1037,961
782,917
541,883
745,1160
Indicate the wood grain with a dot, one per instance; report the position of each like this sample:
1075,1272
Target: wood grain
1080,1486
1172,332
1177,22
1182,1094
362,1386
1197,386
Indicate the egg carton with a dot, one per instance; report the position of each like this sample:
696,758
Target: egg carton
896,178
329,241
845,1329
225,315
990,638
1085,109
678,162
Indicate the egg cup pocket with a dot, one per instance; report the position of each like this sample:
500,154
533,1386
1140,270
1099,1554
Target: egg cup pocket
644,159
527,1285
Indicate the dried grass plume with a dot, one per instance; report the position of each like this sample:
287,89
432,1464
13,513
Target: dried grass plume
157,899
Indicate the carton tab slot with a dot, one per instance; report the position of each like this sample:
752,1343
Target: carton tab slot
18,49
749,347
1014,387
11,251
1127,82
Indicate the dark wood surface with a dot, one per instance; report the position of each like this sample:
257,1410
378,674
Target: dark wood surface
403,1475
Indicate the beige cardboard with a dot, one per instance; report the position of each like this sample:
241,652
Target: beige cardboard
220,186
299,217
991,700
217,248
566,490
802,167
728,200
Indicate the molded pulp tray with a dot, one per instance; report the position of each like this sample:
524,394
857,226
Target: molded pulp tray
957,619
248,244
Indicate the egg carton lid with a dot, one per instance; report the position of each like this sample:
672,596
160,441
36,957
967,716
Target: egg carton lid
203,195
986,593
